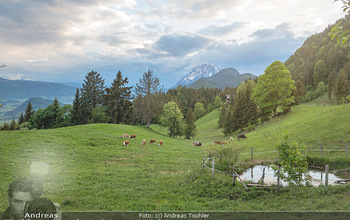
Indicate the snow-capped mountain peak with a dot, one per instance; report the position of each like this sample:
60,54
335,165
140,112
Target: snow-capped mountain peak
201,71
17,77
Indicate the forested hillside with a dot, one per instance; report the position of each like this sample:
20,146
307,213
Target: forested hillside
321,59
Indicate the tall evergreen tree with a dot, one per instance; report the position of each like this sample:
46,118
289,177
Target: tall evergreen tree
21,119
29,112
190,129
92,93
146,89
76,110
13,125
229,121
117,99
341,86
222,116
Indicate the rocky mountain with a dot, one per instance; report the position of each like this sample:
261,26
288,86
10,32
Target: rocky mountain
229,77
204,70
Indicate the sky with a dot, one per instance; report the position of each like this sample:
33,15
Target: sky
63,40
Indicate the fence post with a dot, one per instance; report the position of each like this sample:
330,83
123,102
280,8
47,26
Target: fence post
326,177
251,155
220,158
321,150
234,176
209,157
278,178
213,168
203,162
263,177
346,150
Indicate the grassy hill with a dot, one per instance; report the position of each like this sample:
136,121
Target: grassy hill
90,169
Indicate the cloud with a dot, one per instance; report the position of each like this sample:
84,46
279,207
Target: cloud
280,31
221,30
181,45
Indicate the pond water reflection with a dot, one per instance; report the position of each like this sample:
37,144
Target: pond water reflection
317,176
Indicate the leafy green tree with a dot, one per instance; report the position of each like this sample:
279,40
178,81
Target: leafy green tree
199,110
76,114
190,129
118,100
341,86
29,112
92,93
217,102
320,72
172,118
293,161
99,115
274,88
299,91
148,89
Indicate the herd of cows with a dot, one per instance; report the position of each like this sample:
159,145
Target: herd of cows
127,142
195,144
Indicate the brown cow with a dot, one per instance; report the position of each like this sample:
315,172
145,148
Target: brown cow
197,144
241,136
152,141
132,136
126,143
124,136
160,143
217,142
144,143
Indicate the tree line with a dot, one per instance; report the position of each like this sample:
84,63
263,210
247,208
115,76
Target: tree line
144,104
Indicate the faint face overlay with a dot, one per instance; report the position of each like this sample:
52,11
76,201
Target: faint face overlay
17,203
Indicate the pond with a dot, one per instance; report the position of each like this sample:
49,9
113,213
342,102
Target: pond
317,176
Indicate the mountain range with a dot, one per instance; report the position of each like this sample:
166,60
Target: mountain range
24,89
36,104
204,70
208,75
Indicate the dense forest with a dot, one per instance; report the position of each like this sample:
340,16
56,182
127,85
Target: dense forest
321,59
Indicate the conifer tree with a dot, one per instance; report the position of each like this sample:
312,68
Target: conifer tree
76,110
117,100
190,130
341,86
21,119
147,89
229,121
222,116
13,125
92,93
29,112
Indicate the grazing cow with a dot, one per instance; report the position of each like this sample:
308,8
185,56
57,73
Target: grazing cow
144,143
132,136
217,142
197,144
124,136
152,141
126,143
241,136
160,143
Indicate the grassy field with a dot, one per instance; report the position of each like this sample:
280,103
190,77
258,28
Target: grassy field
90,169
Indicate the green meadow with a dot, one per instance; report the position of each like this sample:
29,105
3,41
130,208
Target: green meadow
91,170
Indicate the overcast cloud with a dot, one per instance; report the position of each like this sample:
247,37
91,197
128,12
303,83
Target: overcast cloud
62,40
